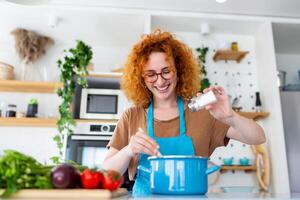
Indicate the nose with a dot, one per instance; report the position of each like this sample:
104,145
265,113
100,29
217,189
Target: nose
160,79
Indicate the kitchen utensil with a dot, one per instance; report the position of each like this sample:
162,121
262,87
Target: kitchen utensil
6,71
263,166
20,115
281,78
239,189
175,174
228,161
235,101
244,161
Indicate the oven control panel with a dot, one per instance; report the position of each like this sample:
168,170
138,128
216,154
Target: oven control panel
105,128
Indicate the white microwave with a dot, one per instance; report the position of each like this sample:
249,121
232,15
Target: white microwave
97,103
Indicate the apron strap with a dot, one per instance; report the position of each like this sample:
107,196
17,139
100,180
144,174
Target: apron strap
181,116
150,118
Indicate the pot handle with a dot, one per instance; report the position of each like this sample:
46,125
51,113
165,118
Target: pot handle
212,169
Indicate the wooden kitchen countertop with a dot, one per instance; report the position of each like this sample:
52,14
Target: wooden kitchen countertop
66,194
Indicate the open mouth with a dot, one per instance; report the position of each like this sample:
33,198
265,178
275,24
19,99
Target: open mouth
162,89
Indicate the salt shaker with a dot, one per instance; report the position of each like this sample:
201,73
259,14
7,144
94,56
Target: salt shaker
199,102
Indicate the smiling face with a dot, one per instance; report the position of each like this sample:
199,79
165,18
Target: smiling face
160,76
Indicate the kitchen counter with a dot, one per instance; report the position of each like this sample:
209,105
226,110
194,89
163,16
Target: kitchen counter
226,196
123,194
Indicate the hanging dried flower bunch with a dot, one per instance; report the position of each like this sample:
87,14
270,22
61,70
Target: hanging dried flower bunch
30,45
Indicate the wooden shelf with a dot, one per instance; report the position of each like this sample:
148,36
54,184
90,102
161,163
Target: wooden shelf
28,86
45,87
41,122
36,122
105,74
254,115
246,168
229,55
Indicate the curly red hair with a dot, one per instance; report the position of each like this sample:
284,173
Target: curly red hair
187,67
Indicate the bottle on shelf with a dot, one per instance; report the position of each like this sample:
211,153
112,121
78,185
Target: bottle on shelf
257,102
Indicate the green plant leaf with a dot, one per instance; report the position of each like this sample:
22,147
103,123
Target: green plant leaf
33,101
73,69
202,52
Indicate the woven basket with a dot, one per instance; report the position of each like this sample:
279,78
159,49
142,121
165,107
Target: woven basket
6,71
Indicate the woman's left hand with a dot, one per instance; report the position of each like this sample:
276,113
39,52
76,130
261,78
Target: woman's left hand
221,109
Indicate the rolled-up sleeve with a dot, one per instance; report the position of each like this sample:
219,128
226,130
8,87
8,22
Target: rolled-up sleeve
120,136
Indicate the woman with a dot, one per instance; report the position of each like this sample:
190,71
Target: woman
160,75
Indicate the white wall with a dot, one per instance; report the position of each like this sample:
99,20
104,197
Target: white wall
291,64
33,141
110,47
266,71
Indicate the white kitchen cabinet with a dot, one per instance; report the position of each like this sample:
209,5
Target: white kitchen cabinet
287,48
112,31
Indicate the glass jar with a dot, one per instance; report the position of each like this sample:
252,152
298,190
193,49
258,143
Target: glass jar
234,46
11,110
2,108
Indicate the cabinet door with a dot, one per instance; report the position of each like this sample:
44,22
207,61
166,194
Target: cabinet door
291,120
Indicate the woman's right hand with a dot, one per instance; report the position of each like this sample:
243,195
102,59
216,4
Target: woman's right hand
142,143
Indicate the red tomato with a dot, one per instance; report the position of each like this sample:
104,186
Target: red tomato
91,179
112,180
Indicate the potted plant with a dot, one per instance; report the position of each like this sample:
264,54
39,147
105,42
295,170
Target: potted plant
32,108
202,51
73,69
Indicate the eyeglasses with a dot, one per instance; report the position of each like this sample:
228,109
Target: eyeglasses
151,76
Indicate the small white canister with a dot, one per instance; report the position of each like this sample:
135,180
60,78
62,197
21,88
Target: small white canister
199,102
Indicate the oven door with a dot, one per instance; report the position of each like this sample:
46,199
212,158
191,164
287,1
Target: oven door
90,151
87,150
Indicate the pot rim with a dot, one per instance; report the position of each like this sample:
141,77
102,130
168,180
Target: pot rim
176,157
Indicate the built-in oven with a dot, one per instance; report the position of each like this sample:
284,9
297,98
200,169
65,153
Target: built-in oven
87,146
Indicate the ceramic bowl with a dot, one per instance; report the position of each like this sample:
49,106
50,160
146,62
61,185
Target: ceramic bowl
244,161
228,161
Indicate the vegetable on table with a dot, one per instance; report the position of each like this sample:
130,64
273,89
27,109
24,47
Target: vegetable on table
65,176
112,180
18,171
91,179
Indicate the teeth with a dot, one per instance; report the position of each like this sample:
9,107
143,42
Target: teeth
164,88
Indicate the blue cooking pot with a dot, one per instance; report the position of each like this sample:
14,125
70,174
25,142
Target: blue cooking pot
178,174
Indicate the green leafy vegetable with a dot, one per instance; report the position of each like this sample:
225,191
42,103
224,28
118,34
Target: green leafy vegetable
19,171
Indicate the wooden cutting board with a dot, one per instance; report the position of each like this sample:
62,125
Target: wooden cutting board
68,194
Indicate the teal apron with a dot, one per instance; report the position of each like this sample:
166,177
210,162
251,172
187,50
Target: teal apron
180,145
